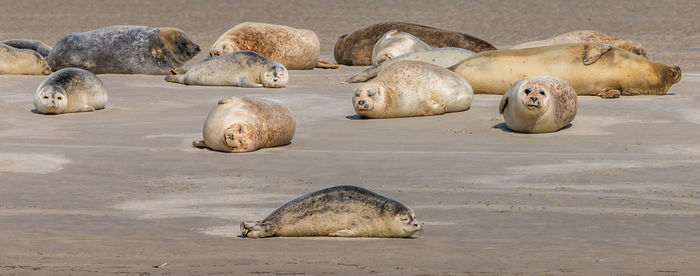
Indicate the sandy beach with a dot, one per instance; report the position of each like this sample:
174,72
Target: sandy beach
121,191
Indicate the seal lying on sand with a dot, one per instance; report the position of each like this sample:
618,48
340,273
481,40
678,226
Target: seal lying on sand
592,69
247,124
36,45
296,49
15,61
70,90
341,211
588,36
124,50
394,43
539,104
242,68
412,88
356,48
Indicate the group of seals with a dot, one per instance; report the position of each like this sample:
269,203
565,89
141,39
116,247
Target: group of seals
70,90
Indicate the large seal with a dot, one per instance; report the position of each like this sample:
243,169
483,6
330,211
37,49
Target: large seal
296,49
341,211
242,68
124,50
412,88
394,43
70,90
247,124
443,57
539,104
588,36
15,61
40,47
592,69
356,48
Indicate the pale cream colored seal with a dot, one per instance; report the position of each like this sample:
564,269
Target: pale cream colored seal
70,90
539,104
341,211
394,43
15,61
588,36
247,124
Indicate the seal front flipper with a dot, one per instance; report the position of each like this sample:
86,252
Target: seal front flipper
199,144
87,108
592,52
343,233
247,83
326,64
609,94
504,102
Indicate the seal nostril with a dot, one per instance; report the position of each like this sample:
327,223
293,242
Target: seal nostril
534,99
361,102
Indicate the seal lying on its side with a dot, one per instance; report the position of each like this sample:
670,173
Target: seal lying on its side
394,43
341,211
247,124
588,36
15,61
70,90
539,104
592,69
36,45
242,68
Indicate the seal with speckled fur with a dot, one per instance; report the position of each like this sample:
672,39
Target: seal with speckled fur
15,61
539,104
124,50
242,68
592,69
247,124
412,88
70,90
588,36
296,49
36,45
341,211
356,48
394,43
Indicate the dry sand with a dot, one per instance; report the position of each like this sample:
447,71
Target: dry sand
121,190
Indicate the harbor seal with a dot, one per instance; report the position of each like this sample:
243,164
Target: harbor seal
296,49
341,211
356,48
592,69
70,90
124,50
242,68
15,61
539,104
247,124
30,44
394,43
412,88
588,36
443,57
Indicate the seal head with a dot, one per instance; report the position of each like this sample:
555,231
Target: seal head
274,75
51,100
368,97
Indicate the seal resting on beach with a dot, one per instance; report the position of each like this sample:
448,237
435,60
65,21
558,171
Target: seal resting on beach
70,90
40,47
394,43
588,36
15,61
539,104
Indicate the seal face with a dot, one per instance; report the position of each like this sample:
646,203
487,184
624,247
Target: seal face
356,47
242,68
124,50
247,124
590,37
341,211
70,90
394,43
36,45
412,88
15,61
539,104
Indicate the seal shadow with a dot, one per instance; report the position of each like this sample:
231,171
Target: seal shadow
502,126
355,117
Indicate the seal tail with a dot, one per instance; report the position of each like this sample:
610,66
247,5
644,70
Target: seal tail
365,75
248,226
326,64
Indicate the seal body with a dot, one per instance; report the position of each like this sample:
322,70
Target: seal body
394,43
592,69
242,68
588,36
124,50
412,88
40,47
70,90
341,211
539,104
15,61
296,49
356,47
247,124
443,57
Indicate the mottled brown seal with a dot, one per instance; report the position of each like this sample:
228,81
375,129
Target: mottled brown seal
588,36
394,43
70,90
539,104
15,61
341,211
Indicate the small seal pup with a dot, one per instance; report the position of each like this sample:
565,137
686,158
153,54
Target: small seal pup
341,211
124,50
539,104
247,124
443,57
588,36
70,90
394,43
15,61
356,48
412,88
591,68
242,68
36,45
296,49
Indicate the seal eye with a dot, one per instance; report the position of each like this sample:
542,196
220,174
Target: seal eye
59,98
527,91
46,97
541,92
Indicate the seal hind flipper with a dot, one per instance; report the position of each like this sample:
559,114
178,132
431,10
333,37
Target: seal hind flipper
199,144
257,229
175,78
326,64
365,75
592,52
